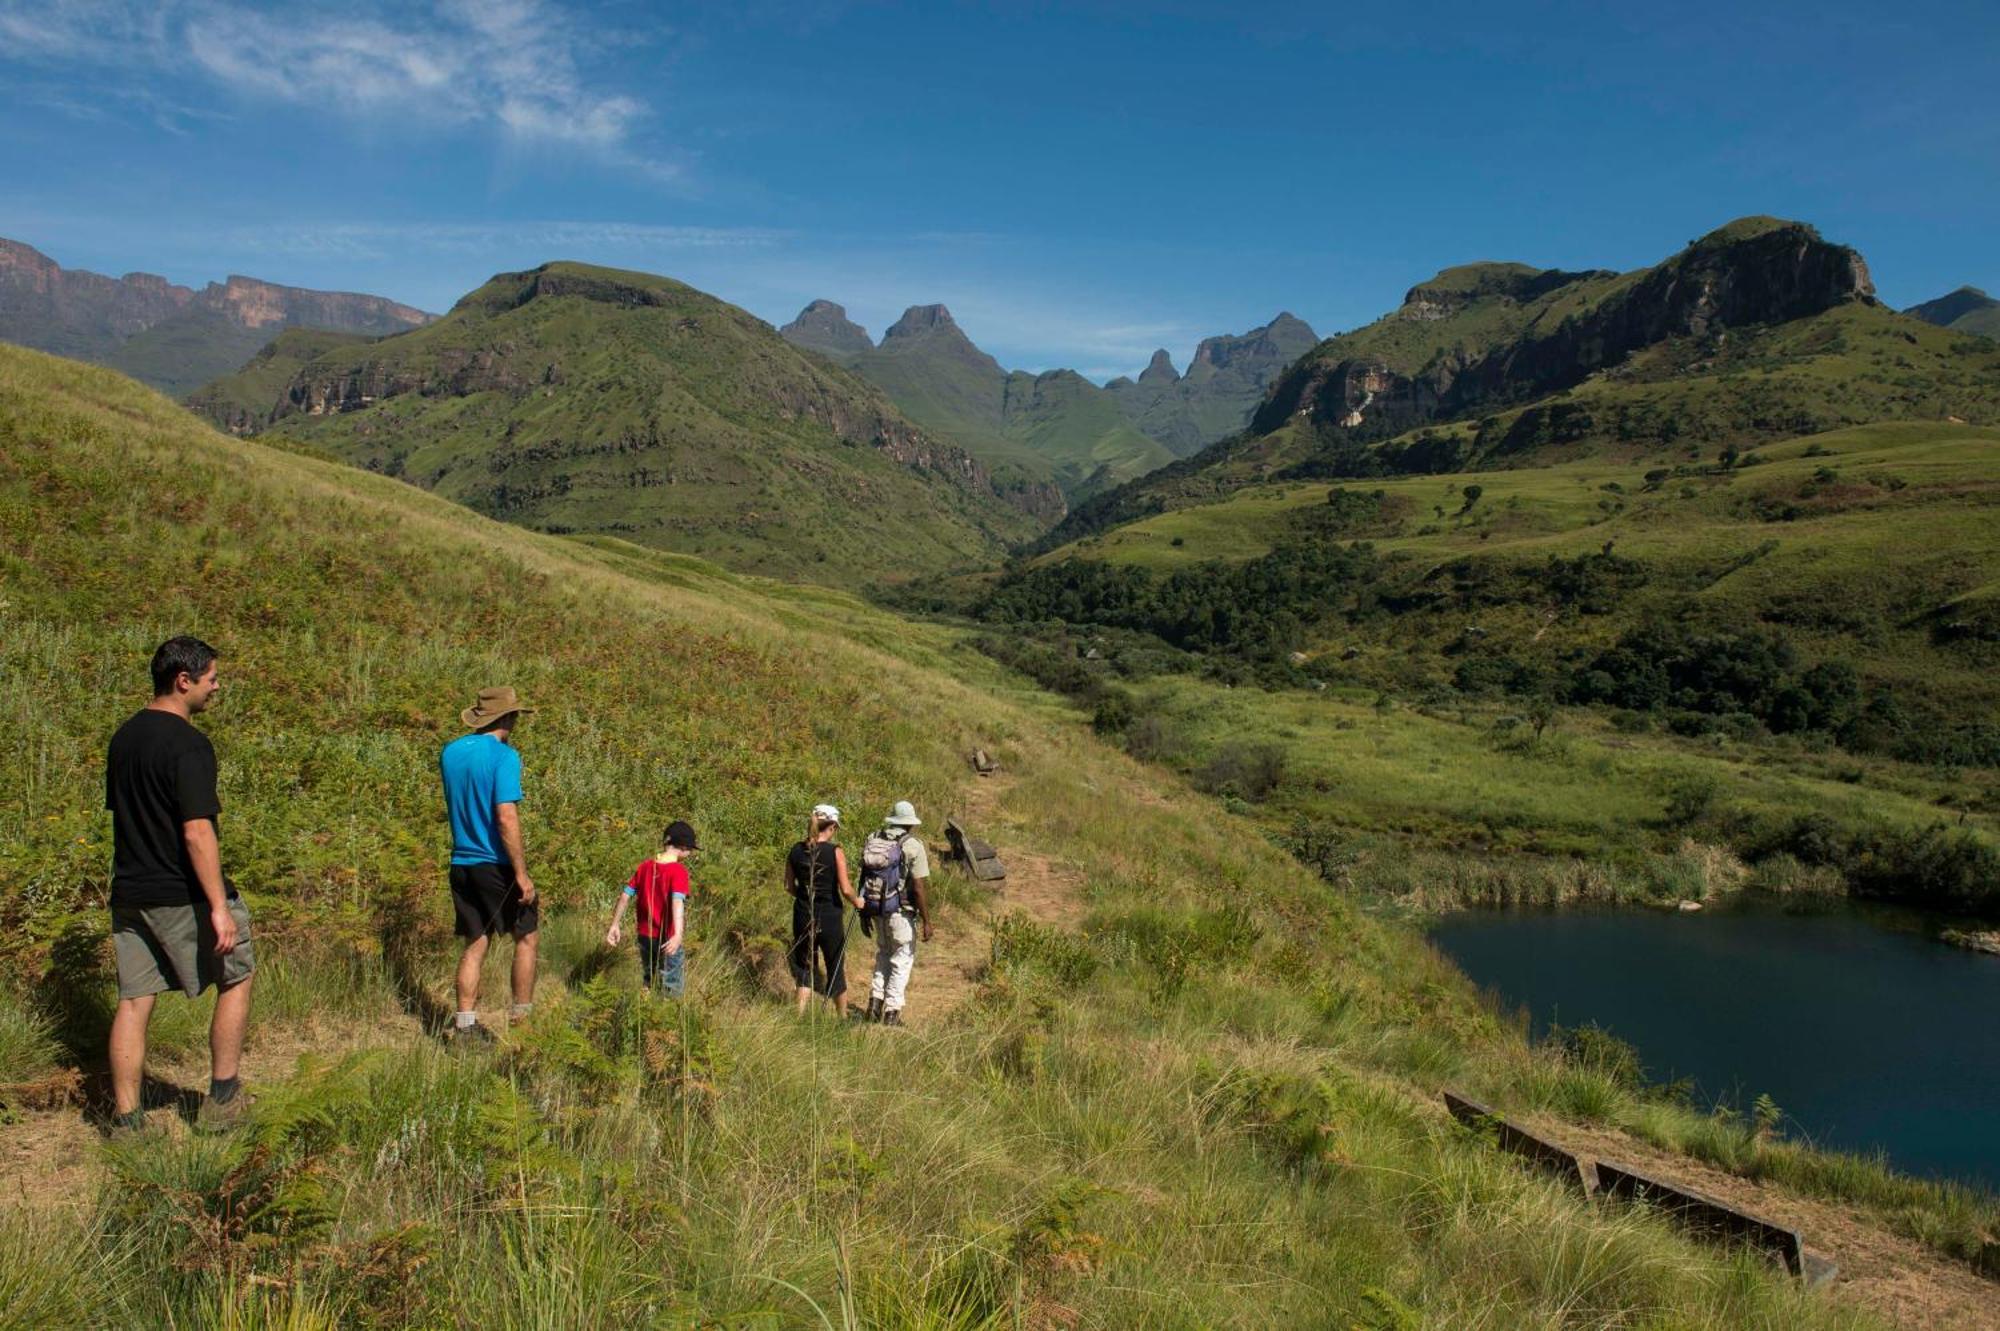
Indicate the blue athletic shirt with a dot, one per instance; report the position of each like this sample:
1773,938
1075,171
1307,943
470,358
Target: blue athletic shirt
480,772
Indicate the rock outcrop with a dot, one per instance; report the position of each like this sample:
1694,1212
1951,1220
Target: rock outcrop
1160,371
1225,381
1755,271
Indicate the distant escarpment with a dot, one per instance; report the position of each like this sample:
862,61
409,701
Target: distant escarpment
172,337
580,399
1224,384
1571,326
1757,332
1049,438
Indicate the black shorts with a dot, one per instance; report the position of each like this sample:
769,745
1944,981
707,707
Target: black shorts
488,901
822,929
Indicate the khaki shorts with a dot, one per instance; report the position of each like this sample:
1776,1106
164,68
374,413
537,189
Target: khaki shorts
172,947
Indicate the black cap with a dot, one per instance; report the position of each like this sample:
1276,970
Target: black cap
681,835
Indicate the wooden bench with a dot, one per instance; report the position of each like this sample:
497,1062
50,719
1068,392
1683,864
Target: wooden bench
978,857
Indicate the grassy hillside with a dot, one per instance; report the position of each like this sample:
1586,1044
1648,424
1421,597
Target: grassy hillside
185,352
580,399
1808,635
1209,1105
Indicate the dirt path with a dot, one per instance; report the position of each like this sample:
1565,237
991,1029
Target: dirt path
1895,1278
50,1158
1046,889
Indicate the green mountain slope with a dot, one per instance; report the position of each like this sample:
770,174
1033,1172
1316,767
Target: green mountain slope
581,399
1121,1125
1054,427
1759,331
172,337
1222,389
1966,310
1822,616
249,398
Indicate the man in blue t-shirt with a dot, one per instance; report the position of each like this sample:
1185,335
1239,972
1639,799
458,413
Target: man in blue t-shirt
490,887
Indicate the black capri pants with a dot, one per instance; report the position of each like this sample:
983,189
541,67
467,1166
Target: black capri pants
819,927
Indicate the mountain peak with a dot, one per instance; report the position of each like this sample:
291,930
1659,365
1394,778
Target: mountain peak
1160,370
919,319
1948,309
824,327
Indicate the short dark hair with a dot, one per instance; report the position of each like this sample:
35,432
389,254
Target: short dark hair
184,653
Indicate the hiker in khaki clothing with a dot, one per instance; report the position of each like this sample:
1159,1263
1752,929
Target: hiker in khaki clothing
896,933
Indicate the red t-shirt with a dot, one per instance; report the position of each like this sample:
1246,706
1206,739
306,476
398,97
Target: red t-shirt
652,882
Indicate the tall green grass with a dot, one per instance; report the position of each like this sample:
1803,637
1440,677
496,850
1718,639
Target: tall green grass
1209,1106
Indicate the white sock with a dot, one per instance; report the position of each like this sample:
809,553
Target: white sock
519,1011
466,1020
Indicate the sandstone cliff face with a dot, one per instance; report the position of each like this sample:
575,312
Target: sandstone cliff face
1767,273
188,336
257,304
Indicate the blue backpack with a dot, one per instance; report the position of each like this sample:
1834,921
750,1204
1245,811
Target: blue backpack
881,875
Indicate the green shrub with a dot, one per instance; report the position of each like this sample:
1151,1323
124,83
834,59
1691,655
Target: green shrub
1019,941
1247,769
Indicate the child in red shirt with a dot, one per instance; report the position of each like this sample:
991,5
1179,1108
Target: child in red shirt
660,884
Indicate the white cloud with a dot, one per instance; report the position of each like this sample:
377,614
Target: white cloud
515,67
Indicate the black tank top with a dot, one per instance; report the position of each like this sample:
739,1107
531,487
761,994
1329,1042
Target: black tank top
814,875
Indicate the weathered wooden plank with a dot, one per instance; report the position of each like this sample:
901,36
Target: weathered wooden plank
1549,1156
978,857
1704,1214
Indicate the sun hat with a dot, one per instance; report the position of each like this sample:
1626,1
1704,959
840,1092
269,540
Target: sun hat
904,815
681,835
492,705
826,813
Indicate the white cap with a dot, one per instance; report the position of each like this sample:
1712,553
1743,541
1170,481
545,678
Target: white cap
826,813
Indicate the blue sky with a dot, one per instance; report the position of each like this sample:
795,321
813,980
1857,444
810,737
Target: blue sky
1080,183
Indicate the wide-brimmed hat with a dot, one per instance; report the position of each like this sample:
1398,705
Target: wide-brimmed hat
492,705
904,815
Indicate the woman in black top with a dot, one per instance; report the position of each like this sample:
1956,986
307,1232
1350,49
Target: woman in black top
816,876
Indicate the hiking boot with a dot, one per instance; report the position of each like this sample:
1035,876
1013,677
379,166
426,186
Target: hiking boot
474,1036
133,1128
893,1017
874,1010
216,1116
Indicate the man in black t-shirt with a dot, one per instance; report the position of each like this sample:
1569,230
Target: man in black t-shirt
176,922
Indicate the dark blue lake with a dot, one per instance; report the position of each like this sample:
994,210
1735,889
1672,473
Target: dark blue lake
1869,1033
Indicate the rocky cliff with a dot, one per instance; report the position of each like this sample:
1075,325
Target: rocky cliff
1557,328
173,337
1224,383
